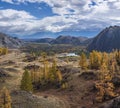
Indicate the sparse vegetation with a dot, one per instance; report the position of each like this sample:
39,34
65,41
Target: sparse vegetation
39,48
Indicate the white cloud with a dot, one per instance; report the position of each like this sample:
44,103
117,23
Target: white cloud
8,1
73,15
22,23
117,5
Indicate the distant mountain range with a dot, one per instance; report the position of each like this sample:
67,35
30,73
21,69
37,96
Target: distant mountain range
65,40
107,40
69,40
10,42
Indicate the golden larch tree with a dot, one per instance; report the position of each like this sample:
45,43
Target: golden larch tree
83,61
5,98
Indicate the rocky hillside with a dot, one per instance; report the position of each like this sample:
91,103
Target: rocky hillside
107,40
10,42
69,40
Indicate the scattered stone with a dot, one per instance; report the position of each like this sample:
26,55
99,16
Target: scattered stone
32,67
116,81
114,103
88,76
3,73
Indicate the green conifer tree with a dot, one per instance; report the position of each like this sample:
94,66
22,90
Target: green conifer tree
26,82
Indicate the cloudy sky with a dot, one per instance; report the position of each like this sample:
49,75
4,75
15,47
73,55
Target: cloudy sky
50,18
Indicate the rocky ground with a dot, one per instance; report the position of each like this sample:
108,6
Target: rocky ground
23,99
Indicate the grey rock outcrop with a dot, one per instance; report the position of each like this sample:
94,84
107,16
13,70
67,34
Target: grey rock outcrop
106,40
9,42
